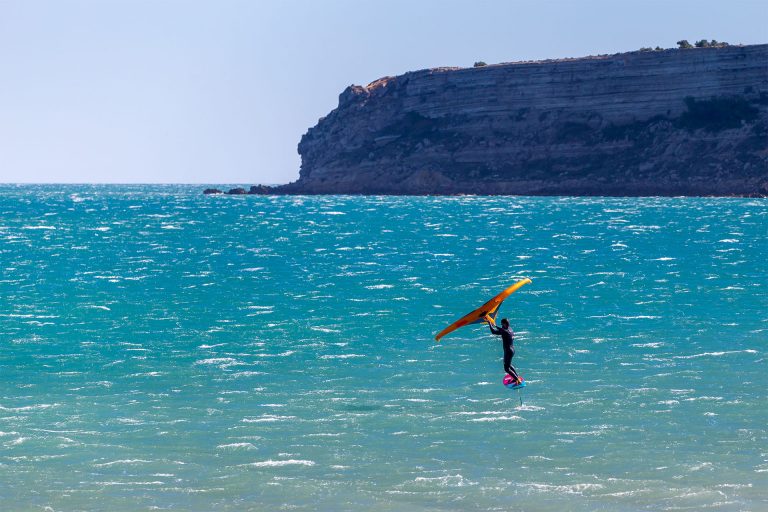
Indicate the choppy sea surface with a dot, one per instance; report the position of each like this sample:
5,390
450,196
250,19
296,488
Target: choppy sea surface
165,350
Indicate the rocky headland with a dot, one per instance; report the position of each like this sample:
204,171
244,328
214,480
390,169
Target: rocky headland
666,122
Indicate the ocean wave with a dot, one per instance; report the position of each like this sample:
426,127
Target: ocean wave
219,361
323,329
268,418
286,353
562,489
716,354
251,373
280,463
123,462
497,418
27,408
236,446
526,407
445,481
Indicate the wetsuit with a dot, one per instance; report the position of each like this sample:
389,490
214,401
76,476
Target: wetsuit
508,342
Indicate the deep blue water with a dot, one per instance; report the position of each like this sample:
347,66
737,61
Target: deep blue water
165,350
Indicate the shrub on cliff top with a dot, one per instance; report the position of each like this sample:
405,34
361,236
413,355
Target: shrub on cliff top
479,64
702,43
714,43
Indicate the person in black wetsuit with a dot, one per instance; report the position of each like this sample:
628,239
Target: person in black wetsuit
508,342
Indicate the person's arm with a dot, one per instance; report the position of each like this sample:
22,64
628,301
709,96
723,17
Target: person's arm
494,330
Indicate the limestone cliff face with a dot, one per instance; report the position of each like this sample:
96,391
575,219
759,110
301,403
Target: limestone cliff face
672,122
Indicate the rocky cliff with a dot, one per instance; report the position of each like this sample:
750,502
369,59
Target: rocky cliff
670,122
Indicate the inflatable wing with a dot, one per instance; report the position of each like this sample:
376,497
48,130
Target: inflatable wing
490,309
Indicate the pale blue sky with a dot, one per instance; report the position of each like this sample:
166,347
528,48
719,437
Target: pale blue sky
221,92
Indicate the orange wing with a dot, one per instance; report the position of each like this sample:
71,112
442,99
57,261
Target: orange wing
490,308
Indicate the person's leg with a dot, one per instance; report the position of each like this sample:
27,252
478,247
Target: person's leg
509,368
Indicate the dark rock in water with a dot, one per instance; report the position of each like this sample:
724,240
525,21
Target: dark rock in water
254,190
671,122
260,189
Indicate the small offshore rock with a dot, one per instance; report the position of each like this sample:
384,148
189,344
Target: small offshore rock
237,191
260,190
212,191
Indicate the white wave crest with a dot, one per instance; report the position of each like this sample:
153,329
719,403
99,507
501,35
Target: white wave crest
279,463
341,356
268,418
717,354
236,446
121,462
497,418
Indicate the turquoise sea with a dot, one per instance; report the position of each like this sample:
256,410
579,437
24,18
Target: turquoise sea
165,350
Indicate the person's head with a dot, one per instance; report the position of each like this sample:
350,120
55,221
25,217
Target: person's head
504,323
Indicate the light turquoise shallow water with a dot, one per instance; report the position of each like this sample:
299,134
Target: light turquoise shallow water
164,350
